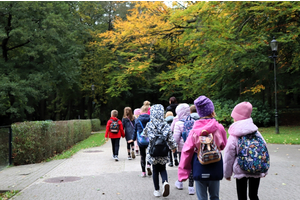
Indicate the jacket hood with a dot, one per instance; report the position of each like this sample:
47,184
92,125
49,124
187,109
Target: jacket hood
182,111
144,118
195,116
210,125
114,118
242,127
157,123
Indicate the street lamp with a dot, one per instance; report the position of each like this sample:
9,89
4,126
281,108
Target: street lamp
274,48
93,90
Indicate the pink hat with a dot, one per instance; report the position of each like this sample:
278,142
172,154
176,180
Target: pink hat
242,111
137,111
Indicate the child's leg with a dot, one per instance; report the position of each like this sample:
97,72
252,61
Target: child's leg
171,158
113,141
214,189
136,147
201,189
191,179
117,146
155,176
143,158
132,150
241,188
253,188
163,173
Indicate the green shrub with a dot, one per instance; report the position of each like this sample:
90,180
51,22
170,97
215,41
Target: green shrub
96,124
36,141
261,113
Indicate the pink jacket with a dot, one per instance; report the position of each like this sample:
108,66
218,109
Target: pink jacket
182,111
192,143
230,164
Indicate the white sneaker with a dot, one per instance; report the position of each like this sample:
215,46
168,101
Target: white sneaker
129,158
166,189
191,191
179,185
156,193
116,158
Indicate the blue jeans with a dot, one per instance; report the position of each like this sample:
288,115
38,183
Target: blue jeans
213,188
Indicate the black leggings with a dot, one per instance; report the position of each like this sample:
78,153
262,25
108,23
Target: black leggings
131,144
159,169
115,144
191,179
241,187
143,158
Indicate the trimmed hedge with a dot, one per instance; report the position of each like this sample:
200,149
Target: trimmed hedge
96,124
36,141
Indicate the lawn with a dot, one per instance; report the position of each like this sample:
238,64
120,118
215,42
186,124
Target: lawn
287,135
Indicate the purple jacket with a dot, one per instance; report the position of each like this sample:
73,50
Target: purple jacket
183,111
192,143
230,164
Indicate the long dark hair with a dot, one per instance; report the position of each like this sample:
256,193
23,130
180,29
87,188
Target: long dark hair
128,113
173,100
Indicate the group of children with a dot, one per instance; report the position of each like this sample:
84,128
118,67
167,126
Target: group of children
148,124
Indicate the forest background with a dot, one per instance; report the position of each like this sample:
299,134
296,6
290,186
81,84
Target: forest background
53,52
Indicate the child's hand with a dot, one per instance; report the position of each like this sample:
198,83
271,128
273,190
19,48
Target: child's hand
228,179
106,139
174,150
129,141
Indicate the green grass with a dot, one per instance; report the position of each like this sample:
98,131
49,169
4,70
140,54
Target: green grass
94,140
287,134
8,195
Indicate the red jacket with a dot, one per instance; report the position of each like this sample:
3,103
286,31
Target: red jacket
114,135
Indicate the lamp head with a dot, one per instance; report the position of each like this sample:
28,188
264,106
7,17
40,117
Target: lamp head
274,45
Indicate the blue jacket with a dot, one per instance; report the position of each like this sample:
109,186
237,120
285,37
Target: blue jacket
144,118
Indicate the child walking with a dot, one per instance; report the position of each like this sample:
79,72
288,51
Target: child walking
128,124
153,128
207,177
140,124
243,125
169,119
114,130
183,112
136,113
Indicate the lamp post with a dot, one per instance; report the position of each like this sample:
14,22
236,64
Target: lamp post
93,90
274,47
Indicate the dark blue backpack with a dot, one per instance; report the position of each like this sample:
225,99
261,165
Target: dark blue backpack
188,124
253,155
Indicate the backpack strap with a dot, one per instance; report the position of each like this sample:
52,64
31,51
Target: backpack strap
141,124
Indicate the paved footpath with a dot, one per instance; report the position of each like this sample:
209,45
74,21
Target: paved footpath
93,174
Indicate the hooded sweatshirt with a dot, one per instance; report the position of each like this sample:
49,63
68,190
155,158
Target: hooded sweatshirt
157,125
192,144
183,111
236,130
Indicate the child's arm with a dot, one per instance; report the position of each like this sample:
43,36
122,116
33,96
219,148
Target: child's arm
177,133
107,129
171,142
187,153
229,157
121,129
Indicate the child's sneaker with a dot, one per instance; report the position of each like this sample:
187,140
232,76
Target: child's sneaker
176,162
132,154
129,157
137,152
156,193
179,185
143,174
166,189
191,191
116,158
149,170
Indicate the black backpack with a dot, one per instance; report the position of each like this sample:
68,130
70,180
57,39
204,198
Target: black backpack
159,147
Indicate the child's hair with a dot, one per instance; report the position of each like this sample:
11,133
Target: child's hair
144,109
212,115
114,113
173,100
169,113
193,109
128,113
146,103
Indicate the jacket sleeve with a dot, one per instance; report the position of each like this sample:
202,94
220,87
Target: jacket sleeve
221,137
187,153
229,157
177,133
107,128
135,130
171,143
121,129
123,124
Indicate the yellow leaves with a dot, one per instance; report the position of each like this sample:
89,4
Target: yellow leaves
255,89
